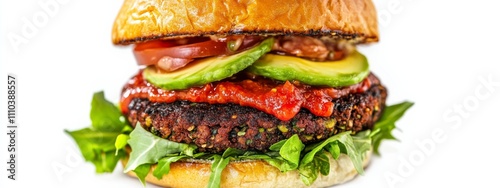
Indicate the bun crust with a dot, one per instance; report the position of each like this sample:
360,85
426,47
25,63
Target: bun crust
142,20
255,173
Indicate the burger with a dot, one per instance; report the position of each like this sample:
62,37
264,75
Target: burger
243,94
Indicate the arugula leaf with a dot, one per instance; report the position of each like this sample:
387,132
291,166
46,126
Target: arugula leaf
216,171
355,155
201,155
319,164
318,147
285,160
106,161
277,146
104,115
309,168
163,167
334,149
97,147
270,154
142,171
280,163
97,142
308,173
362,141
384,126
90,140
219,163
291,149
342,143
232,152
148,148
323,162
121,142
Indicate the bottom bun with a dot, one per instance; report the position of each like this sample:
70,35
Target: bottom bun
251,173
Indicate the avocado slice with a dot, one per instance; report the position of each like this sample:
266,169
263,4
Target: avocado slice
207,70
348,71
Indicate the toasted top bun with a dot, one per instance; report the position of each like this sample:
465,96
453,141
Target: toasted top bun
143,20
253,173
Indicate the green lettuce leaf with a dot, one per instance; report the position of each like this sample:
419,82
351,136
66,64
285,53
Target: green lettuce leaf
216,171
383,128
148,148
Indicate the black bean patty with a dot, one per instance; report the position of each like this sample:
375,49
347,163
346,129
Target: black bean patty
216,127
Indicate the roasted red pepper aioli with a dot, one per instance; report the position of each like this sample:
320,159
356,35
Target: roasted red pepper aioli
281,99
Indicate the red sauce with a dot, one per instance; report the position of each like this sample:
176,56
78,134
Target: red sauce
281,99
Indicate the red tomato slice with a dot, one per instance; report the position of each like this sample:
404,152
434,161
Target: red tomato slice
149,53
186,50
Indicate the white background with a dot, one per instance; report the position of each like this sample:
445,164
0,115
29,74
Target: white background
433,53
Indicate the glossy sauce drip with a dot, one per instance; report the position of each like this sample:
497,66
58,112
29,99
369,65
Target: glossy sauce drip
280,99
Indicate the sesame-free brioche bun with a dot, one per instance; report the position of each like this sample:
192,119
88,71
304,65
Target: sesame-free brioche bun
143,20
251,173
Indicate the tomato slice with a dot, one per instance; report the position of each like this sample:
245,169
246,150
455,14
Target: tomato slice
151,52
170,55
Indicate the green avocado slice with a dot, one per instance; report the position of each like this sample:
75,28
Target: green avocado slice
348,71
206,70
